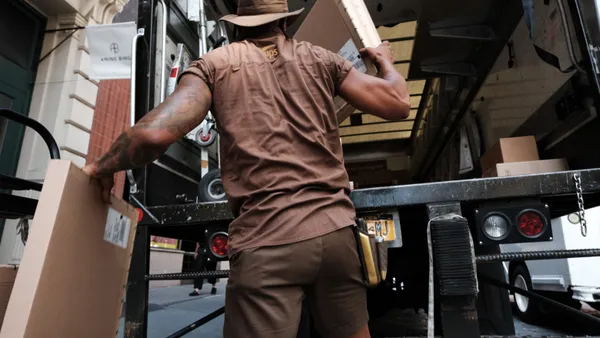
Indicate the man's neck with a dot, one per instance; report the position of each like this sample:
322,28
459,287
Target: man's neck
251,33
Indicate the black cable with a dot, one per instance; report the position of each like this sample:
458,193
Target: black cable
59,44
63,29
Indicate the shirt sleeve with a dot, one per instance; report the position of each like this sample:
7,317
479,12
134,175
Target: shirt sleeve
338,67
341,67
203,69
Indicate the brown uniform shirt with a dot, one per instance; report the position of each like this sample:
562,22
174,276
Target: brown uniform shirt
282,164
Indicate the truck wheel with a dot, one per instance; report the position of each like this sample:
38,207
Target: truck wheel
210,188
205,141
527,309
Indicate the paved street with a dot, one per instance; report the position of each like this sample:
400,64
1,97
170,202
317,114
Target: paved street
171,309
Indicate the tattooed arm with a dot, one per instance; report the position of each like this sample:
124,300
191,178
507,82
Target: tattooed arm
140,145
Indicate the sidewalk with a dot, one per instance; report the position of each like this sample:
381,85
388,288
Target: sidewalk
171,308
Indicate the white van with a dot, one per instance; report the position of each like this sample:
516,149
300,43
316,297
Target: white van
569,281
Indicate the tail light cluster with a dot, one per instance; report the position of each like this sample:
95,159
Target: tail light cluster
140,214
513,223
217,244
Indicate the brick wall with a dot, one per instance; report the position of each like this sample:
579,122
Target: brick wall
111,117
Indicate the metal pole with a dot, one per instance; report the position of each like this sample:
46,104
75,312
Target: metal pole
163,53
203,50
203,37
132,91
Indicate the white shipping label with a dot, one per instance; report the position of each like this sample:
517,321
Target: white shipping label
350,53
117,228
110,50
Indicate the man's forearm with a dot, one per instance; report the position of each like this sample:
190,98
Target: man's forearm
127,152
388,72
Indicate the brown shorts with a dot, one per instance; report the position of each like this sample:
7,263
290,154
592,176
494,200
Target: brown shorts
267,285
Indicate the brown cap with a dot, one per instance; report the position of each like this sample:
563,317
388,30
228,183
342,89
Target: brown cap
252,13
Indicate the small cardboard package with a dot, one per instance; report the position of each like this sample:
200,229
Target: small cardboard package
343,27
73,274
8,273
507,150
531,167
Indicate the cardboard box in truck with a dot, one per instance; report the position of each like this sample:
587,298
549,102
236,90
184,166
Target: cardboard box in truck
343,27
73,274
531,167
507,150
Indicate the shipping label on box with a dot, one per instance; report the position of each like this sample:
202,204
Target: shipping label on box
350,53
117,228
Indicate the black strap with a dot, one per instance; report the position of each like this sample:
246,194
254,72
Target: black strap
551,59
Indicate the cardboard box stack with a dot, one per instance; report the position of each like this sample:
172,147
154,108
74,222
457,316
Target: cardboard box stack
73,274
517,156
349,28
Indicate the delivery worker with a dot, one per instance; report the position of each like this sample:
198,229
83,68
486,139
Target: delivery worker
282,168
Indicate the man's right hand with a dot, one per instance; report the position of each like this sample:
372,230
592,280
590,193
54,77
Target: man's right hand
378,54
106,182
386,95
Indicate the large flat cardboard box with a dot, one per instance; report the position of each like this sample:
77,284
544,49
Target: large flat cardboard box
8,273
343,27
531,167
507,150
73,274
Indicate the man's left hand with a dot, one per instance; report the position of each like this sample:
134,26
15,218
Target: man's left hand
106,182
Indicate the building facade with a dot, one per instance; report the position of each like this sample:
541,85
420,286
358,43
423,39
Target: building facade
44,67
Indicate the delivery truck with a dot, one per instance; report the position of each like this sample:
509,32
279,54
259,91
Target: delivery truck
501,91
500,142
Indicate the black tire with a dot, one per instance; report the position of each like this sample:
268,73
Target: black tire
210,188
208,140
527,309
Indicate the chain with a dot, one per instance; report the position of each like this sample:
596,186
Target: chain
189,275
579,190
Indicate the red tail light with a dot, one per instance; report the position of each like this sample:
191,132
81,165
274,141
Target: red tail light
174,72
531,223
140,214
218,244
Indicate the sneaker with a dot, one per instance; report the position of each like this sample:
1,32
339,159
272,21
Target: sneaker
194,293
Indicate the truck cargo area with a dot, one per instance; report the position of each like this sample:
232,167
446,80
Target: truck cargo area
478,72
